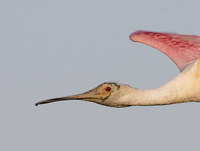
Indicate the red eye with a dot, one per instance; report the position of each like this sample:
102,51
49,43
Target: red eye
108,89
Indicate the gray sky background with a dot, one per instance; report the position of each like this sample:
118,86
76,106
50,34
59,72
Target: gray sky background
58,48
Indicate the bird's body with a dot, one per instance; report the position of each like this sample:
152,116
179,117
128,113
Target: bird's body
184,50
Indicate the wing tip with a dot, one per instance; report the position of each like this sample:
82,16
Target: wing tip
138,34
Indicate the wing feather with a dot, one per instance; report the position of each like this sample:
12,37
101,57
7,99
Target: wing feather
181,49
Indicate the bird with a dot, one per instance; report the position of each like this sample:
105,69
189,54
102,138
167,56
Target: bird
183,50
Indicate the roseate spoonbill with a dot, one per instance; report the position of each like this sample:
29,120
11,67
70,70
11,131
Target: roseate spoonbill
184,51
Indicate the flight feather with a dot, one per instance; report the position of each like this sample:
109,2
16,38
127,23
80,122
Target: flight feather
181,49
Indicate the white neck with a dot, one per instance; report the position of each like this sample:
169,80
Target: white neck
180,89
159,96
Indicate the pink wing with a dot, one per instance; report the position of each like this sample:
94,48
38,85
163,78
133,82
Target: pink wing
182,49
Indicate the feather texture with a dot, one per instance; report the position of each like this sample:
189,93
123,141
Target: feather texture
181,49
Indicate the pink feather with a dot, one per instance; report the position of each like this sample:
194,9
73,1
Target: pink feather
181,49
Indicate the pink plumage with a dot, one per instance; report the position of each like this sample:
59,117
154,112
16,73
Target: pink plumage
181,49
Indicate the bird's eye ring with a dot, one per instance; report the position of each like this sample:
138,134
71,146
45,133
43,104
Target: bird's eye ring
108,89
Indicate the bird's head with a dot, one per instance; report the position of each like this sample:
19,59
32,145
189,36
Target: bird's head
108,93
